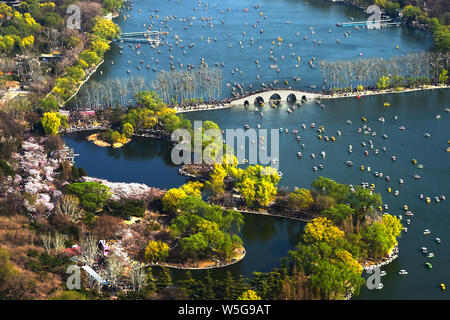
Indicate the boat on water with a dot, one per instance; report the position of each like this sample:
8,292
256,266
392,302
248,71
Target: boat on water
299,154
280,174
426,231
430,255
403,272
349,163
383,273
438,240
424,250
429,265
379,286
442,286
247,126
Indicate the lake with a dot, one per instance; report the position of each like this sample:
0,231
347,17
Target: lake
267,239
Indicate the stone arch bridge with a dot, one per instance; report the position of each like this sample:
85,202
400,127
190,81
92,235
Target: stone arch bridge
282,95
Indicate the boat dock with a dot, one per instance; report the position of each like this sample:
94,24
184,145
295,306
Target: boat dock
150,37
383,23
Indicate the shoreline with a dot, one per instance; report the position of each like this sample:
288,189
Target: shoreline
322,96
177,266
387,91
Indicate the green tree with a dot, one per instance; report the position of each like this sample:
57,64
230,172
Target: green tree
300,199
194,245
377,239
411,12
443,76
127,130
49,104
92,195
383,83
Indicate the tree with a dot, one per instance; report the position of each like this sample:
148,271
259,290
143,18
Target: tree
76,73
339,213
443,76
49,104
300,199
164,279
112,5
364,200
90,57
249,295
127,130
216,180
51,123
105,28
92,195
114,268
322,229
68,206
99,46
106,227
89,250
383,83
378,238
328,187
194,245
192,188
266,192
411,12
393,226
171,199
247,189
156,251
137,277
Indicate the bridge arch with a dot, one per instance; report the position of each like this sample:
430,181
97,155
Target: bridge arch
291,98
304,98
246,103
275,97
259,100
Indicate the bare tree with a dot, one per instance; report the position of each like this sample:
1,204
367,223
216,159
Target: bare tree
58,242
89,250
47,241
68,205
115,268
137,277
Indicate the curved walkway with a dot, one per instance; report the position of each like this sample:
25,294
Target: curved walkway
208,267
